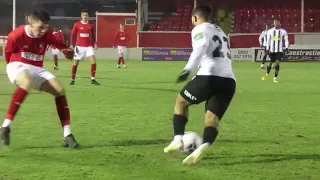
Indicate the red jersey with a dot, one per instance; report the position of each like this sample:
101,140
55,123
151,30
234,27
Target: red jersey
121,38
58,35
85,34
24,48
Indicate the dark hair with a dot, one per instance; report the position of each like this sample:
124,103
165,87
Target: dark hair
40,15
203,11
84,11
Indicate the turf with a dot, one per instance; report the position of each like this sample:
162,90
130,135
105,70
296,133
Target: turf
271,131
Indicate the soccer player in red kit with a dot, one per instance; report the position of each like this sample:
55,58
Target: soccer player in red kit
24,53
55,51
120,42
85,40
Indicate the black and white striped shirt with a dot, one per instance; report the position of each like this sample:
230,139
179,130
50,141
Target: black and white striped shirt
263,38
275,38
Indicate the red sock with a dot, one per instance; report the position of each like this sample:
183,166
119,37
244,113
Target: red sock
55,59
63,110
17,99
122,60
93,70
119,61
74,72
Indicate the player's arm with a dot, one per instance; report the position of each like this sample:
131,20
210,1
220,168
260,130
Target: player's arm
50,39
268,40
116,37
261,38
10,47
286,40
73,35
199,45
93,33
200,42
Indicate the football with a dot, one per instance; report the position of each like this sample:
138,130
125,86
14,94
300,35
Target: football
191,141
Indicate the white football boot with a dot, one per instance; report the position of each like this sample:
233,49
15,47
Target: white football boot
175,145
197,155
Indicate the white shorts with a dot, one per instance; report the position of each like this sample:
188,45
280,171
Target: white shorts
83,52
55,51
122,49
39,74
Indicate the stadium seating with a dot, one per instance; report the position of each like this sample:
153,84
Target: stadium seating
252,18
181,21
246,17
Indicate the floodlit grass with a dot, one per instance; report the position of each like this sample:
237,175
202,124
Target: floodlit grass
271,131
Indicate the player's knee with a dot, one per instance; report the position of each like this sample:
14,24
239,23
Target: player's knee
76,62
211,119
181,106
24,80
58,91
92,59
54,87
180,101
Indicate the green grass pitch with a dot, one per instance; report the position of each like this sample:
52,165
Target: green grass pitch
271,131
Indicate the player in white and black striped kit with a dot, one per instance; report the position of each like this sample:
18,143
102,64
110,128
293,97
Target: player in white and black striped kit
263,44
214,83
275,49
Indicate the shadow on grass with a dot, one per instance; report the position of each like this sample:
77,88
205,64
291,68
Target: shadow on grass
125,143
163,82
84,77
137,142
10,94
147,88
38,93
130,88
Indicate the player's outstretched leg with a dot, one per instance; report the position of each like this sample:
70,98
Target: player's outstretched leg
120,57
268,71
93,70
276,72
180,119
23,82
119,62
55,60
123,62
263,61
54,87
215,107
210,134
74,71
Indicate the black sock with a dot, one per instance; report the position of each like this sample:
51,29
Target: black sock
210,134
277,69
269,68
179,124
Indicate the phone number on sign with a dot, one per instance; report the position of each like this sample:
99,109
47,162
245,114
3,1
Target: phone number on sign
242,54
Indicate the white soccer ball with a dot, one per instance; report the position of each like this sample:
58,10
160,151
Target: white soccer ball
191,141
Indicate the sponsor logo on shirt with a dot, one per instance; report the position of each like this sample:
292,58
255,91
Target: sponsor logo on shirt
84,35
31,56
